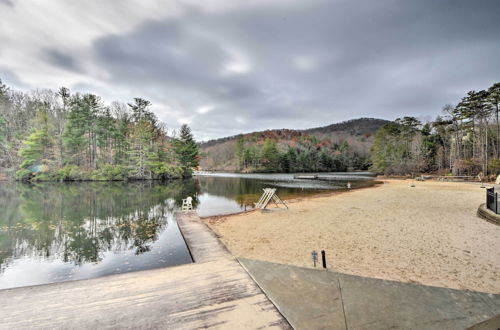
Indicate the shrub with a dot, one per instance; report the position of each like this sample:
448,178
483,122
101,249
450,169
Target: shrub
494,166
23,175
69,173
110,173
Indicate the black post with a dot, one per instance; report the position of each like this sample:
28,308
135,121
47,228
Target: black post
496,203
323,257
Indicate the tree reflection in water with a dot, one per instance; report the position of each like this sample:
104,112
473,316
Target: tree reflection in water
77,222
53,232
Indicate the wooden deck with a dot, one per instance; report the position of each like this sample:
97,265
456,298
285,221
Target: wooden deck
214,292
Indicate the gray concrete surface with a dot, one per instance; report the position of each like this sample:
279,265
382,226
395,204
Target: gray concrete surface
317,299
308,298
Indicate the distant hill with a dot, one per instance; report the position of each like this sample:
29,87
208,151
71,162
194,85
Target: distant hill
220,154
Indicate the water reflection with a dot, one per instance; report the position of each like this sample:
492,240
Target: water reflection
52,232
82,230
226,193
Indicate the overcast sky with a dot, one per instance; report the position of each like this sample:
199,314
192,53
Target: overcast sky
226,67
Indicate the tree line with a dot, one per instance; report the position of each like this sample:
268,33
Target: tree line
47,135
463,140
302,153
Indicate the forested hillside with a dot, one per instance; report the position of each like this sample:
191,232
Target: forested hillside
59,135
463,140
47,135
336,147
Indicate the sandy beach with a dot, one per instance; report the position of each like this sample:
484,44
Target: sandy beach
428,234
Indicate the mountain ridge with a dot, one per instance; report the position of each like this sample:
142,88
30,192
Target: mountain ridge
357,134
318,129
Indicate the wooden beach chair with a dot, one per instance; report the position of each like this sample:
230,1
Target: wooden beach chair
268,196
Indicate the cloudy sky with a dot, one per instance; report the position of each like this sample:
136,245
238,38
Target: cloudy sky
226,67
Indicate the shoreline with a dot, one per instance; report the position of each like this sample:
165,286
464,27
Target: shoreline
427,234
296,200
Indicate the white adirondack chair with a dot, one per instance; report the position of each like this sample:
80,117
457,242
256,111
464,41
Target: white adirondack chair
187,204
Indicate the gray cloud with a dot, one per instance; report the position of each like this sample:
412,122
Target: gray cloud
8,76
7,3
62,60
299,66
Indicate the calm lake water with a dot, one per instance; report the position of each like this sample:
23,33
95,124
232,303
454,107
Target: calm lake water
52,232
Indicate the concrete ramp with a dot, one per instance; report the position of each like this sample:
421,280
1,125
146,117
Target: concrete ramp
318,299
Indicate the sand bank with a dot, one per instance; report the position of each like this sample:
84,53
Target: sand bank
428,234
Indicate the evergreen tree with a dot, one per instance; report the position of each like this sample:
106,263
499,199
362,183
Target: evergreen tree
3,129
74,137
121,141
291,156
494,99
326,161
143,136
5,158
186,150
139,110
35,148
240,151
105,130
60,118
388,149
270,156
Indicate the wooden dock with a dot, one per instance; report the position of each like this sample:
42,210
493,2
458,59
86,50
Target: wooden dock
214,292
305,176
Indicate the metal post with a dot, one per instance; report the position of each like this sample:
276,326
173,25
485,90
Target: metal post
314,256
323,256
496,203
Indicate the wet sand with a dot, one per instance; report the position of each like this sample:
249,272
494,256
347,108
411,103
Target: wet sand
428,234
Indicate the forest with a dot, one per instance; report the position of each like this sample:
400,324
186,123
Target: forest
293,151
463,140
341,146
56,135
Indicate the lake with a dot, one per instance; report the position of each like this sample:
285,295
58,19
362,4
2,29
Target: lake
53,232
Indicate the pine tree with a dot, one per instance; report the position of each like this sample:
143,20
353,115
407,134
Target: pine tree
141,153
5,158
270,156
186,150
74,138
35,148
494,99
3,129
240,151
60,114
121,141
143,137
105,131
